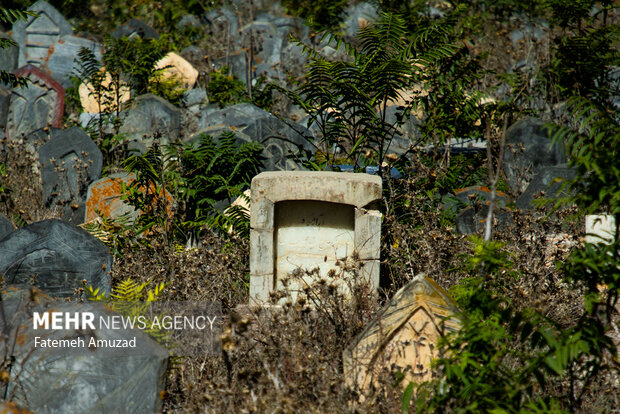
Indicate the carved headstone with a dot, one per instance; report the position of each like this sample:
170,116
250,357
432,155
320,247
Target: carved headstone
70,161
151,116
37,35
83,378
528,150
174,66
39,105
56,257
403,337
305,220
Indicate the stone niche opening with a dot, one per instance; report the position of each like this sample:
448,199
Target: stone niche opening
310,235
302,220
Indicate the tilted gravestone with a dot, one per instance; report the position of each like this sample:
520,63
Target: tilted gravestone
100,370
56,257
40,104
303,220
151,117
529,149
403,337
549,182
70,161
263,38
278,138
46,42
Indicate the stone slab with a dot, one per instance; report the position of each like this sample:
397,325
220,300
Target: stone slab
60,254
81,380
70,161
135,27
403,337
104,196
39,105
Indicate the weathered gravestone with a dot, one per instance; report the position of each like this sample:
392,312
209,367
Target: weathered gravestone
37,35
133,28
471,206
549,182
56,257
70,161
151,117
403,337
306,220
6,227
46,42
528,150
278,138
77,375
473,219
40,104
9,56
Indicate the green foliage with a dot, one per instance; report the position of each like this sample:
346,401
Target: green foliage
200,177
225,89
319,14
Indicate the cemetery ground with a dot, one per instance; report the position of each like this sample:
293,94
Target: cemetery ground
200,153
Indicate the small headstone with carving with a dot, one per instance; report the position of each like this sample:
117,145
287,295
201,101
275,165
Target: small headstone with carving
403,337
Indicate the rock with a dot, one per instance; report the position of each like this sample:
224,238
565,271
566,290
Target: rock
223,22
70,161
93,379
528,150
6,227
58,255
547,182
135,27
600,228
297,225
40,104
174,66
151,117
103,101
403,337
